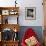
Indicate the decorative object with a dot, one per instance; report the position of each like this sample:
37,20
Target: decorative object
30,38
15,3
30,13
13,12
7,34
6,21
15,37
5,12
31,41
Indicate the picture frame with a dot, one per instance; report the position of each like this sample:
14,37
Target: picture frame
30,13
5,12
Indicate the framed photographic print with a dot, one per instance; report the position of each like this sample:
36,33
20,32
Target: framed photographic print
30,13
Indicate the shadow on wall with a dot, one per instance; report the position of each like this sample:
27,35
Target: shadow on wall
37,29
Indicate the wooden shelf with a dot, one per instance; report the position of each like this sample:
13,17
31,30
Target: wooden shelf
10,43
9,10
3,8
4,13
11,26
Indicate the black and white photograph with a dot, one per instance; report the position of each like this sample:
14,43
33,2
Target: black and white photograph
30,13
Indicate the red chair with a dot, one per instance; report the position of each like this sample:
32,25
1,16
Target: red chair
29,33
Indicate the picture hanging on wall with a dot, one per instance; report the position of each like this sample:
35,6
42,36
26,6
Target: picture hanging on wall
30,13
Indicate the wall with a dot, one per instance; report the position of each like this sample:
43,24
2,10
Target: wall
39,12
27,3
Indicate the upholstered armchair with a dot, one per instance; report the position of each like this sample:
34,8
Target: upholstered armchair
30,38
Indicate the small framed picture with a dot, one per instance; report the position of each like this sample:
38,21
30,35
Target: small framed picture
30,13
5,12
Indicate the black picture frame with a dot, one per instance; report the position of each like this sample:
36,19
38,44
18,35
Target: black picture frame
30,13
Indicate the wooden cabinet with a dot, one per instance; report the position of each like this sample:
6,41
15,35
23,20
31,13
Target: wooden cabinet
7,26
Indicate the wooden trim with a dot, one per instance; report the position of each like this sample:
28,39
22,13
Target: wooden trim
1,8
